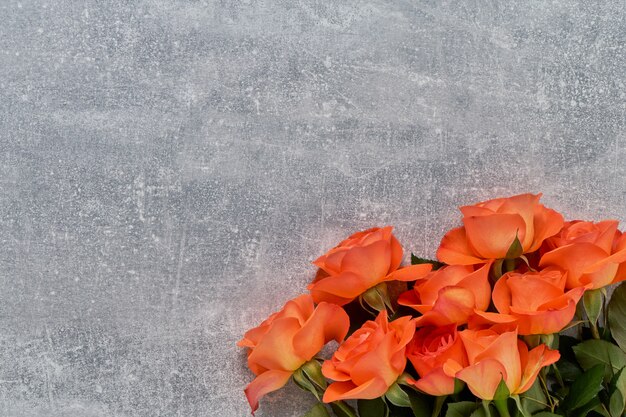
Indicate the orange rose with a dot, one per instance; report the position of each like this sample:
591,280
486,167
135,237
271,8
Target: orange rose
370,360
618,245
589,252
449,295
494,357
287,340
535,301
437,353
489,229
359,263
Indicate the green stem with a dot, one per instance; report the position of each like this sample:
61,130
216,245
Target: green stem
558,376
594,330
605,311
546,391
579,316
497,269
502,407
486,408
439,401
509,265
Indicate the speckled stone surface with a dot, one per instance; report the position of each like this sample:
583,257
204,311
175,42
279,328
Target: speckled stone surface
168,169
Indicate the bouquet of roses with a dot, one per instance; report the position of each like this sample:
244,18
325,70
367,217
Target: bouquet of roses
518,317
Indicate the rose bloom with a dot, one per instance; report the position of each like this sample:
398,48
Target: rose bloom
370,360
437,354
449,295
359,263
287,340
619,244
589,252
534,301
494,357
489,229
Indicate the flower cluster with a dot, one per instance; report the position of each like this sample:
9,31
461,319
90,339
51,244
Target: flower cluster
477,332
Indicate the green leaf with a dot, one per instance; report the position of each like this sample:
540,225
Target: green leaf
400,411
584,389
585,409
416,260
617,393
481,412
486,410
569,370
616,404
599,410
372,408
341,409
593,352
397,396
515,250
461,409
617,315
592,301
534,399
546,414
318,410
420,404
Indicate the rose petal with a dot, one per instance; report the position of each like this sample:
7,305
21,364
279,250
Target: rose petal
410,273
396,253
492,236
346,285
454,305
370,262
435,383
455,249
575,259
275,350
349,391
503,348
483,377
266,382
537,358
478,283
328,322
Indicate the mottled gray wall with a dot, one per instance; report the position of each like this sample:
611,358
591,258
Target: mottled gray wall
168,168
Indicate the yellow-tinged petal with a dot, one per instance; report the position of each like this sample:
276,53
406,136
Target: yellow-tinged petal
533,362
275,350
435,383
483,377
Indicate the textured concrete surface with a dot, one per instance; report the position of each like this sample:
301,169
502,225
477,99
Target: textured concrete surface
169,168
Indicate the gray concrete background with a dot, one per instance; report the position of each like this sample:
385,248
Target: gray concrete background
169,168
